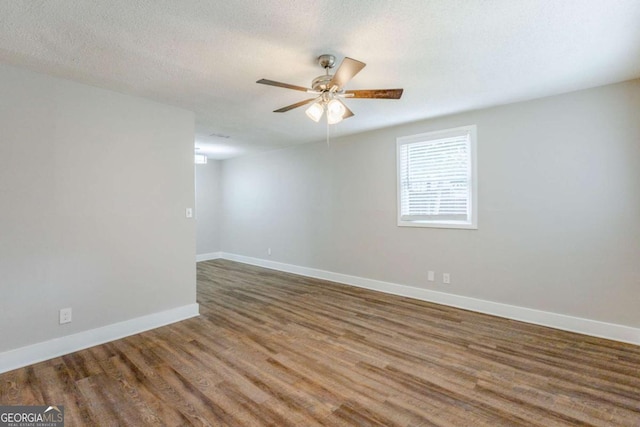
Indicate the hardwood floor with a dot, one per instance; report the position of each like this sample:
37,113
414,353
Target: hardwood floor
275,349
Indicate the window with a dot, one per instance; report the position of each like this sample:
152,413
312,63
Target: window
437,184
201,159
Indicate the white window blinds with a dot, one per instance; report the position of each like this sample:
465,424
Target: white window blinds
435,177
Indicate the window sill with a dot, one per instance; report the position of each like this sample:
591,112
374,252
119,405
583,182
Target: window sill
438,224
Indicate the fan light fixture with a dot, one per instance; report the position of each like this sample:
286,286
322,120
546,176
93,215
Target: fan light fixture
315,111
335,110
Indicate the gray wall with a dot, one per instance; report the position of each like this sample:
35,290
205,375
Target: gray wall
208,206
559,207
93,186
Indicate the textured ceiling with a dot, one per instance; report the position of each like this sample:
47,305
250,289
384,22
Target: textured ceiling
205,56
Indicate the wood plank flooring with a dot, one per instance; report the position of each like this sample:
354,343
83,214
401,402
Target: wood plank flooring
275,349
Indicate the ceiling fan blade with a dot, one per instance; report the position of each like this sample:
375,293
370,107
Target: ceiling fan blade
347,69
347,113
296,105
375,93
284,85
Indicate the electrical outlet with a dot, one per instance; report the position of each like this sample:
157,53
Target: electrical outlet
65,315
269,251
446,278
431,276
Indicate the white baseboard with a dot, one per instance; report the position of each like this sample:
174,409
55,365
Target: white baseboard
208,257
24,356
554,320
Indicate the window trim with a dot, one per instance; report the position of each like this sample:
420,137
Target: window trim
472,224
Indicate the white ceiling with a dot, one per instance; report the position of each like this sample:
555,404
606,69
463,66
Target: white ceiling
205,56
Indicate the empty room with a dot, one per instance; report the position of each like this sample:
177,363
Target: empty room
330,213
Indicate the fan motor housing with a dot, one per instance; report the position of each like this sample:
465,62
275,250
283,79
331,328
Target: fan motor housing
321,83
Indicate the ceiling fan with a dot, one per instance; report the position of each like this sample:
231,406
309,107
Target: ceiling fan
329,91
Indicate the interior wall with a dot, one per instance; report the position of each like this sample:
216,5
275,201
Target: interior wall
94,186
208,204
559,202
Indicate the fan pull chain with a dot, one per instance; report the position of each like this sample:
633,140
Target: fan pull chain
327,134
